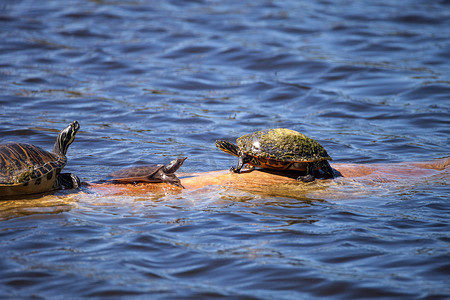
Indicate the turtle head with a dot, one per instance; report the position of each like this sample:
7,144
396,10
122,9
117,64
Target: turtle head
174,165
228,147
65,138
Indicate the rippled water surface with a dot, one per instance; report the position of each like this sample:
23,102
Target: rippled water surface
153,80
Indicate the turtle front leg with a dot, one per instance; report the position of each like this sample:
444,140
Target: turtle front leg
170,178
243,159
326,169
68,181
309,177
173,179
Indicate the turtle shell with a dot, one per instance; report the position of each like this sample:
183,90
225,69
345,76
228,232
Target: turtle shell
28,169
276,147
136,174
149,173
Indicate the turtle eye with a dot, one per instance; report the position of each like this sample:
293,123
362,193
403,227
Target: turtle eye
75,126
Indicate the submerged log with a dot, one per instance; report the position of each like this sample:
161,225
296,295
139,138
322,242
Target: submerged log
278,183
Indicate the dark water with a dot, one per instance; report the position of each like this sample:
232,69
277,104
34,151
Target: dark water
153,80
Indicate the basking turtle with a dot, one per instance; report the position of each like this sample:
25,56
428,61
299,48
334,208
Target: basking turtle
149,174
280,149
29,169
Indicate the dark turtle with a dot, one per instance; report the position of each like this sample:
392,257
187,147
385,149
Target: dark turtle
280,149
29,169
149,174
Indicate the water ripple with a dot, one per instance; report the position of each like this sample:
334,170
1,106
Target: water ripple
153,81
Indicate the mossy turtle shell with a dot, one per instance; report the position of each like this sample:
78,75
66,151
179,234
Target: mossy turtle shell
282,145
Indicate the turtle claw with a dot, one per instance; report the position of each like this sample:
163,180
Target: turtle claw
234,170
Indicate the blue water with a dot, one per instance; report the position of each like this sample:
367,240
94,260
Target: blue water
149,81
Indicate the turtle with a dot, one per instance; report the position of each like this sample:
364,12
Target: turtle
280,149
156,173
29,169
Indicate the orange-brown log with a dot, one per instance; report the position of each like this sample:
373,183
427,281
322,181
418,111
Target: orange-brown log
280,183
